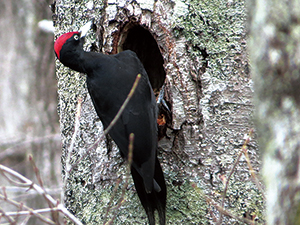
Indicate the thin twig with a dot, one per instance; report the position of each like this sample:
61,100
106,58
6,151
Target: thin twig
121,199
4,193
7,217
16,189
252,172
111,199
231,172
54,214
32,211
36,171
16,183
130,150
25,221
19,209
220,208
60,207
69,151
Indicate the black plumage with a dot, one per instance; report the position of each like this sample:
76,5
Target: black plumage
109,81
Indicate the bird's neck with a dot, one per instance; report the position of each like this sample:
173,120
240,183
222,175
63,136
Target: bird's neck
75,60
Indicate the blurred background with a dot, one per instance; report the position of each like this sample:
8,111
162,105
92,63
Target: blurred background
28,99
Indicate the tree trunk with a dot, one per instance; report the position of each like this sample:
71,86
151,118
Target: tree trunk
207,88
274,53
28,114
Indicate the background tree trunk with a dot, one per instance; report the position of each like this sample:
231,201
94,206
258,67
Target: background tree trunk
274,51
207,88
28,96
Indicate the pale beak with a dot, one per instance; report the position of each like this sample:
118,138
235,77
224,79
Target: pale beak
84,29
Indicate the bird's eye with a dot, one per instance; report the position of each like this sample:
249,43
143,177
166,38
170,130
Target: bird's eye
76,37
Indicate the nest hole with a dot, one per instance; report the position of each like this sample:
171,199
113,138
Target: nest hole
138,39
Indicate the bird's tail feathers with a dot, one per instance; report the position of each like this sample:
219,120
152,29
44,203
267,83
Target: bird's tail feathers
156,200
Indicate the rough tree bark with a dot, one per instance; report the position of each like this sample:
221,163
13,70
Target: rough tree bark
274,51
208,90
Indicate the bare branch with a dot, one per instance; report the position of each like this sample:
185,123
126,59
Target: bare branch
7,217
32,211
26,182
29,212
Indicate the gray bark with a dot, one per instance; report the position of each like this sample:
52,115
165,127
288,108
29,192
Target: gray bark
209,90
274,54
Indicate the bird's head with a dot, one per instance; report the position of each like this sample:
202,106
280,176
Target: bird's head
71,41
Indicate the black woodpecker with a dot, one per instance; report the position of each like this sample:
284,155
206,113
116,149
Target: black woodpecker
109,81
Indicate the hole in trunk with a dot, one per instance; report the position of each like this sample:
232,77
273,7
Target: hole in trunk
138,39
